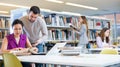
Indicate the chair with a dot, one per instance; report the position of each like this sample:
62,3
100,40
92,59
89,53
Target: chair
11,60
1,63
109,51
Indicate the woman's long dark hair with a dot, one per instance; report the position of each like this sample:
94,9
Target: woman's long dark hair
102,35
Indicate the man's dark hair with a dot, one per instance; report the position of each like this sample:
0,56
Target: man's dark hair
17,21
35,9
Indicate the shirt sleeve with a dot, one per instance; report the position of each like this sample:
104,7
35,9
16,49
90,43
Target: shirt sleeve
44,31
82,30
99,42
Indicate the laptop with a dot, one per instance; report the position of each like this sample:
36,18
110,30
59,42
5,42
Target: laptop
54,50
40,53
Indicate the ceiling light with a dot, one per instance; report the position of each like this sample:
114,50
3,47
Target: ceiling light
83,6
55,1
13,5
4,12
70,13
45,10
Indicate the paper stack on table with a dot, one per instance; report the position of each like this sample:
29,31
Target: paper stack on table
69,50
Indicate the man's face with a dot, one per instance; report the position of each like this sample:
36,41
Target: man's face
32,17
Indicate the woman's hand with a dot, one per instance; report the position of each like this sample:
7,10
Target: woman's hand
20,51
33,50
110,46
113,46
17,49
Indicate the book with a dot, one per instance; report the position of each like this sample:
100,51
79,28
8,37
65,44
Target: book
73,27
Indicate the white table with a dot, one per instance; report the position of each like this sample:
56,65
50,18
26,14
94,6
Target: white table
90,60
87,60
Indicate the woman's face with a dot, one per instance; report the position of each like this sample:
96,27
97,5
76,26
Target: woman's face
17,29
80,20
107,33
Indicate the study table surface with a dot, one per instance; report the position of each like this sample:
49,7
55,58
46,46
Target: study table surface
90,60
97,50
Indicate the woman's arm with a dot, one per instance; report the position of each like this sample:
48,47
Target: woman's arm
28,44
82,30
4,45
73,27
99,42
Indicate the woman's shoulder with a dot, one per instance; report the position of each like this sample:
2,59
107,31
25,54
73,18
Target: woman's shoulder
83,25
23,35
98,38
9,35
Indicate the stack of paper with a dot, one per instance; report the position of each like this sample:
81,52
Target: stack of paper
70,51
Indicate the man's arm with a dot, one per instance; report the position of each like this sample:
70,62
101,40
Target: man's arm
44,32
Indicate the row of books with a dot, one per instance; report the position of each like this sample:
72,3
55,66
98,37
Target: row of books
93,34
3,33
58,34
56,20
97,24
4,23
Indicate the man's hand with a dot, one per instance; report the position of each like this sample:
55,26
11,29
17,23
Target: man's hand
33,50
36,43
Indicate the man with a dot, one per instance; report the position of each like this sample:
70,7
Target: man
34,26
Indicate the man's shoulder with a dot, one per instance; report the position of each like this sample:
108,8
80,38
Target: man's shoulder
40,20
23,18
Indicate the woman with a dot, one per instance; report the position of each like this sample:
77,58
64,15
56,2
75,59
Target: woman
16,41
82,31
103,39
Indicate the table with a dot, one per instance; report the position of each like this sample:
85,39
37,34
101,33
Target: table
87,60
98,50
90,60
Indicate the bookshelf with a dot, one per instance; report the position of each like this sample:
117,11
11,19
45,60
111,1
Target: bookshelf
96,25
58,25
4,26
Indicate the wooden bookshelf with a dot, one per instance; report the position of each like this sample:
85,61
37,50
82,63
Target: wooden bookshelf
4,26
0,40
